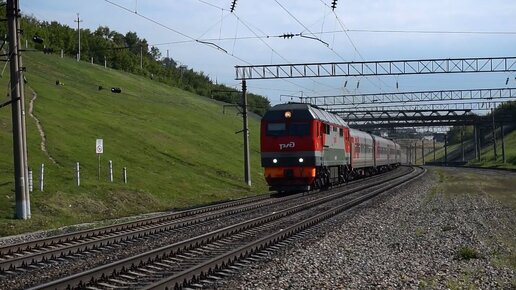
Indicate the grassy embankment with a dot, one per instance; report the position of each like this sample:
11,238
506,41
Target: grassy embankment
487,155
459,183
179,149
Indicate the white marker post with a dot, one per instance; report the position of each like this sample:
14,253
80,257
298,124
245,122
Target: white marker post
78,169
110,171
41,177
30,181
99,149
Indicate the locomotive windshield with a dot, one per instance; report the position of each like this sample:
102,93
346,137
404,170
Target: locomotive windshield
290,129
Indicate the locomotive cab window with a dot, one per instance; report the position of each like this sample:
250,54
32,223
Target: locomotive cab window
299,129
276,129
290,129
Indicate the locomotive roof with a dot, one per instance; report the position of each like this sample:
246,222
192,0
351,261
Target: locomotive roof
314,113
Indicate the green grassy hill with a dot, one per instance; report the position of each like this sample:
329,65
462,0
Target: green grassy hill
179,149
487,155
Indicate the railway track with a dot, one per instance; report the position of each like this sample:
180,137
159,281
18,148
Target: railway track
195,259
30,254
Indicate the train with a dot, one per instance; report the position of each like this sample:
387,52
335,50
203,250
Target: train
304,147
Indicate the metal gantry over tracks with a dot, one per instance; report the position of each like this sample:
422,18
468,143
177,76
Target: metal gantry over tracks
376,68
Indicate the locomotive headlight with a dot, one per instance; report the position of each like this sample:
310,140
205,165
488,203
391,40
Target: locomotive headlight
301,160
274,160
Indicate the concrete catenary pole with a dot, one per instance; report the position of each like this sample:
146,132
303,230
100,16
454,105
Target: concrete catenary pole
21,80
245,131
19,149
423,151
475,136
415,153
445,149
494,135
462,142
503,143
433,142
79,33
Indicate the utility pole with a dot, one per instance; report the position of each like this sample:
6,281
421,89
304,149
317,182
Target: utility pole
79,31
19,144
415,153
462,142
245,131
423,151
446,149
434,146
494,135
503,144
141,56
21,79
475,135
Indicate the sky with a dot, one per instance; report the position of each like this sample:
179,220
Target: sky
354,31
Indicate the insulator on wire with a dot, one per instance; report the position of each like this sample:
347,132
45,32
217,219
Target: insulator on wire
233,4
397,85
287,35
507,81
358,84
345,83
333,4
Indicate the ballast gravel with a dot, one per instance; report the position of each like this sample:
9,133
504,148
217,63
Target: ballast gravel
411,238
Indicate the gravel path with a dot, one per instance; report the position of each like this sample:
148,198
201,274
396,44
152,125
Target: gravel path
415,237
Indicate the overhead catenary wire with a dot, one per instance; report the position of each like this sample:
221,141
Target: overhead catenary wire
256,36
307,29
356,48
209,44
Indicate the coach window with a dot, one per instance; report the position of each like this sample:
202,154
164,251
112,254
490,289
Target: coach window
341,132
326,129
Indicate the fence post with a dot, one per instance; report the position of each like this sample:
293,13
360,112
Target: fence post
125,175
78,174
41,177
110,171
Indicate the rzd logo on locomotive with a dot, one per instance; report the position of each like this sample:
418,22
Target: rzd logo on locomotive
287,145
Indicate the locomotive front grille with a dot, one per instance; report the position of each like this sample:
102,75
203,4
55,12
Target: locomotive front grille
289,173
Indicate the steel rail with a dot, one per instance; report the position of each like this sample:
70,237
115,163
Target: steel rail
197,273
21,255
91,240
101,272
89,233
